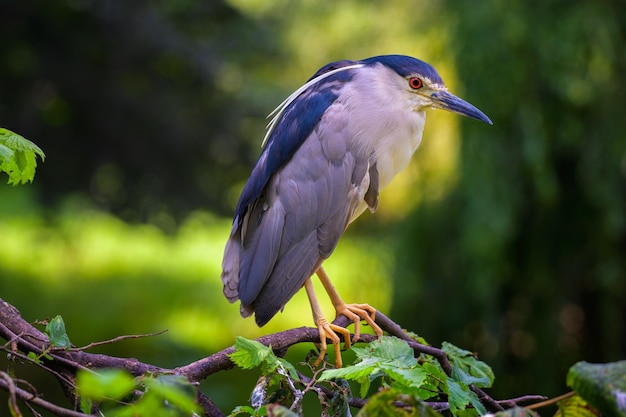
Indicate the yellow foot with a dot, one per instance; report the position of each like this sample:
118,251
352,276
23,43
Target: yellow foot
358,312
330,331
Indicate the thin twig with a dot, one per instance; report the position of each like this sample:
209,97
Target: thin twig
550,401
33,399
114,340
42,366
6,379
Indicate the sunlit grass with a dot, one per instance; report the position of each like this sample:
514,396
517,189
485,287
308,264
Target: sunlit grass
107,277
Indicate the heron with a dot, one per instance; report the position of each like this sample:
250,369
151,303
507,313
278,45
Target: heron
328,151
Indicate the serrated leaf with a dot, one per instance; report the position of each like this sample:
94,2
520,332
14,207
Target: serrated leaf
18,157
361,372
464,378
413,378
432,367
389,350
104,384
575,406
467,362
6,153
460,397
353,372
55,329
249,354
601,385
390,356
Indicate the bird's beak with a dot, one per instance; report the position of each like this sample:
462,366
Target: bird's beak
446,101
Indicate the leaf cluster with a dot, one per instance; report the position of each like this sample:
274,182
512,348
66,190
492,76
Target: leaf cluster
115,392
18,157
279,382
405,378
421,378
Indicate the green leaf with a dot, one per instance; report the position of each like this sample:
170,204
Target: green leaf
575,406
361,372
408,378
55,330
86,405
390,350
249,354
384,403
280,411
481,374
390,356
173,389
34,357
243,409
18,157
464,378
354,372
5,153
601,385
458,396
388,353
286,368
104,384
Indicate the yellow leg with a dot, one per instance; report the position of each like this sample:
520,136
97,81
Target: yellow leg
327,330
355,312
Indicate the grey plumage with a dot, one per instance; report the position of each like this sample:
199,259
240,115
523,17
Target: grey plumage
295,224
329,150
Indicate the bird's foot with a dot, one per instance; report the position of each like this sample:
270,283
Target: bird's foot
358,312
330,331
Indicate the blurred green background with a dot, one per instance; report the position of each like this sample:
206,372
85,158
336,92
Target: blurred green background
509,240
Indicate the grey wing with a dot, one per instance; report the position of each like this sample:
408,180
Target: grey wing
296,223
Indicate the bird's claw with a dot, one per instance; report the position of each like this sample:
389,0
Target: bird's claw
354,312
330,331
358,312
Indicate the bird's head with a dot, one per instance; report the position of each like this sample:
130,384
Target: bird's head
425,85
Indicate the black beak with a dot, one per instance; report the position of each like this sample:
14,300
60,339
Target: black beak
446,101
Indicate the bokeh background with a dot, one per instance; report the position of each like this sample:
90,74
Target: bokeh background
508,240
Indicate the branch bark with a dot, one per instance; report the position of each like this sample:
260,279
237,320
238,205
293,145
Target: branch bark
22,337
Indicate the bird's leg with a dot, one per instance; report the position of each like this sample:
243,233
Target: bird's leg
355,312
327,330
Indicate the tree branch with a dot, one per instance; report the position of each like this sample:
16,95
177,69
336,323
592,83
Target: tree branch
23,337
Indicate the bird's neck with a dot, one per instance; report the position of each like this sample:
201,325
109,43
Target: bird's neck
383,125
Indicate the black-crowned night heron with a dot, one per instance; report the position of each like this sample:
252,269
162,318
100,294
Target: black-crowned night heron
329,149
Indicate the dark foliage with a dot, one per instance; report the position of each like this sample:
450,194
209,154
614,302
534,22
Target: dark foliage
535,230
130,99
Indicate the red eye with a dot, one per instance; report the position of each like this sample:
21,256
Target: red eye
416,83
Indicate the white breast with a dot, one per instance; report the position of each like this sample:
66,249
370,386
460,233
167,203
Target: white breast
385,119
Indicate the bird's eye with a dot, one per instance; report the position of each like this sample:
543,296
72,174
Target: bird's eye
416,83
